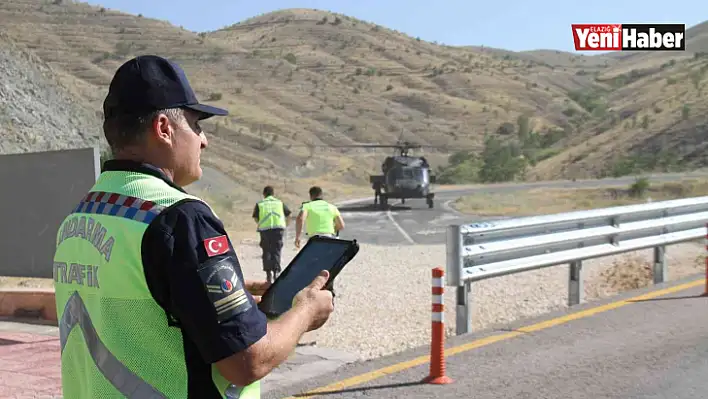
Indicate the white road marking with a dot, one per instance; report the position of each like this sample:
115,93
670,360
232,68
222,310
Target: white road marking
400,229
431,232
363,215
449,208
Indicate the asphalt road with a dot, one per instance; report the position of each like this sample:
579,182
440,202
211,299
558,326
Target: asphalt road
649,348
414,223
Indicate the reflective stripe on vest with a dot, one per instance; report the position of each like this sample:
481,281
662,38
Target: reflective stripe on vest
270,214
124,380
119,205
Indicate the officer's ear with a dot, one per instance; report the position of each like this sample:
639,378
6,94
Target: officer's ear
162,130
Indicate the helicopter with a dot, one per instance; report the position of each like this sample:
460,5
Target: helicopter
403,176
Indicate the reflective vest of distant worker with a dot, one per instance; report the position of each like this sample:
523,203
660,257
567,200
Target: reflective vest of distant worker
271,214
320,217
272,217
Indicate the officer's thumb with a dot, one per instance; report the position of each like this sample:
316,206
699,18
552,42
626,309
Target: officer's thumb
319,282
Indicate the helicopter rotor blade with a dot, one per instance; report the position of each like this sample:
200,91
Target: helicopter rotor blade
412,146
402,146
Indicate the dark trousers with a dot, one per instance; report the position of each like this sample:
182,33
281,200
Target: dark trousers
272,245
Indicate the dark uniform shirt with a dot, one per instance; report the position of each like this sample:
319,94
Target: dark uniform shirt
184,267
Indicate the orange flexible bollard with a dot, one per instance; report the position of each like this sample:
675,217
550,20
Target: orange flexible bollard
437,344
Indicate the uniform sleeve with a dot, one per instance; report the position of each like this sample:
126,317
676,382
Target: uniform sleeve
335,211
194,273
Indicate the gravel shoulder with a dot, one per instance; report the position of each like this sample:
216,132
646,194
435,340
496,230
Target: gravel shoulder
383,295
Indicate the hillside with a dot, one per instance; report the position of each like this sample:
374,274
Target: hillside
645,111
297,78
35,113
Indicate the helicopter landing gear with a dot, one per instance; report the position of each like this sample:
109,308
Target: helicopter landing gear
429,200
377,193
383,201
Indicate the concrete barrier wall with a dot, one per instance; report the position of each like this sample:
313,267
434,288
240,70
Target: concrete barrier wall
37,190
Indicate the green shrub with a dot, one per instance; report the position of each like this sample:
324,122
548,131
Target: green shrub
639,188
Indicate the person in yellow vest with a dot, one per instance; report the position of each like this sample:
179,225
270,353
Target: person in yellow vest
272,216
319,217
150,295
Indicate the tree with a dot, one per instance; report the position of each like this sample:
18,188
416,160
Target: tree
501,162
524,126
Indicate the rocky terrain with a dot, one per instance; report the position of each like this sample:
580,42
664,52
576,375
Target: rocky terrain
36,112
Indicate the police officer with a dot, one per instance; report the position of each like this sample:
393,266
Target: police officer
272,218
150,293
320,217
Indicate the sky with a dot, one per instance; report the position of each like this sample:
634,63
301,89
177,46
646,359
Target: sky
516,25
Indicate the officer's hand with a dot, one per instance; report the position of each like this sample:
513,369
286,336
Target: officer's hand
297,243
256,288
318,301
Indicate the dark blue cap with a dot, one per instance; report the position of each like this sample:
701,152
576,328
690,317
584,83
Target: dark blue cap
149,83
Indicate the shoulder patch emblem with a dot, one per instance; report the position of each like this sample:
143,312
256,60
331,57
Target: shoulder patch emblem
216,246
224,288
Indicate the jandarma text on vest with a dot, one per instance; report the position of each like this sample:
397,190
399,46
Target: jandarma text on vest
86,228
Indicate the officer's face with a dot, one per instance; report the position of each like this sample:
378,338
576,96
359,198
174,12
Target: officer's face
189,140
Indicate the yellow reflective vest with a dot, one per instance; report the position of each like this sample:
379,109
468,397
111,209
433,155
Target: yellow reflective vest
320,217
271,214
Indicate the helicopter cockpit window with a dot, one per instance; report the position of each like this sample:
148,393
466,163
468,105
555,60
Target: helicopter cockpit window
411,173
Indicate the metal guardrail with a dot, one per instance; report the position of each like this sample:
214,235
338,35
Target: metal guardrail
491,249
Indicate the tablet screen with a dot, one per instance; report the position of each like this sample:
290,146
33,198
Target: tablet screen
313,258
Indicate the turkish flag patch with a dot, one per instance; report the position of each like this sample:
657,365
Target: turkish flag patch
216,245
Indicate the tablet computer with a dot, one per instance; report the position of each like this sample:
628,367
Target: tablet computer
319,253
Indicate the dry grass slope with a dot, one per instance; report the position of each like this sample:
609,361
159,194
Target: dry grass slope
654,103
298,77
542,201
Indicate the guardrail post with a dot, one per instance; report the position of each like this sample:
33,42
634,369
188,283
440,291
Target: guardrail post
706,290
453,253
455,246
660,268
575,283
437,342
463,320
